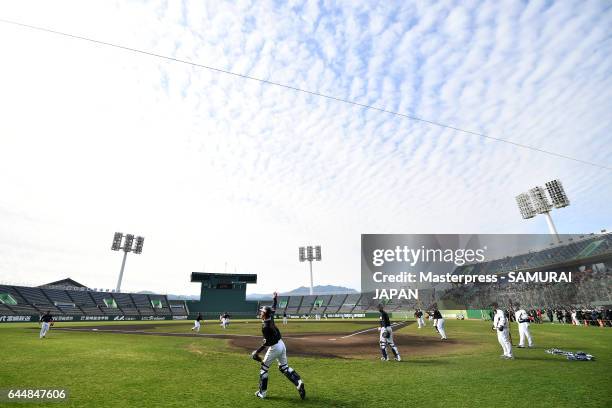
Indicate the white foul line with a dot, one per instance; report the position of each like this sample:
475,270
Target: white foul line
365,331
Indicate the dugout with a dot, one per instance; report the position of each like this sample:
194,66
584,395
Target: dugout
223,292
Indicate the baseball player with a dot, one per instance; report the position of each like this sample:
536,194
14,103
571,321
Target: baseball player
418,314
439,323
46,320
276,351
522,319
386,336
501,326
224,320
196,323
284,318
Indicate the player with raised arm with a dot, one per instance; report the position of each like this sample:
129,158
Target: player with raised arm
276,351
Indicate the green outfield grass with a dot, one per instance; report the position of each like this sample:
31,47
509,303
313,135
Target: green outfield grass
110,370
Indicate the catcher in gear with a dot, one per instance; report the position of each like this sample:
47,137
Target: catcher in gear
386,336
276,351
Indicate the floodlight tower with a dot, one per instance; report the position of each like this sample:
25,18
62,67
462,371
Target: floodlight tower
306,254
535,201
128,246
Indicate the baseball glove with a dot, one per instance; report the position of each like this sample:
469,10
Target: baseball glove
255,356
386,334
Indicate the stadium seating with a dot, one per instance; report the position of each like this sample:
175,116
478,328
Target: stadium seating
349,303
143,304
293,304
335,303
177,308
34,301
307,304
591,286
125,303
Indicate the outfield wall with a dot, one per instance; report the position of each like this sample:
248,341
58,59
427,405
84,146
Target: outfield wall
80,318
409,315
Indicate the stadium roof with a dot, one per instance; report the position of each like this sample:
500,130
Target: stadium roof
65,282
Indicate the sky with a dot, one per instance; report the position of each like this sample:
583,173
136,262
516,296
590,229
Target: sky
221,173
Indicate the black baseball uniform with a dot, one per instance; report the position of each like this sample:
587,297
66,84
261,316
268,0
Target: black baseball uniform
386,337
47,318
272,339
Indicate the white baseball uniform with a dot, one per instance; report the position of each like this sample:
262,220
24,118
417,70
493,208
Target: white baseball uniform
196,325
503,336
523,322
44,328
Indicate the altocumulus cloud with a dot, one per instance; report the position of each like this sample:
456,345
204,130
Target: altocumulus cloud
213,169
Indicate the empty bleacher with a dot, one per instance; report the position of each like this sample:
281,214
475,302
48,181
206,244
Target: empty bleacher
335,303
281,308
34,301
165,309
321,303
293,304
84,301
177,308
125,303
62,302
143,304
99,298
307,304
37,299
349,303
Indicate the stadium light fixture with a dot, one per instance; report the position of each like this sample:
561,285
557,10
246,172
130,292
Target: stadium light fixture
128,246
536,201
139,244
310,254
557,194
317,251
539,200
525,207
117,241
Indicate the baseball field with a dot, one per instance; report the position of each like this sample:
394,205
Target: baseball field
163,364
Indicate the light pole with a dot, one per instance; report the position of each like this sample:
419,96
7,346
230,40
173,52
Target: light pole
306,254
128,246
535,201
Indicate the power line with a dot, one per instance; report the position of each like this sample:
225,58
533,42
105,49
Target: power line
293,88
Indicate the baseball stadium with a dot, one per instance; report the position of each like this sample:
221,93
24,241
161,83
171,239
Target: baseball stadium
145,349
306,203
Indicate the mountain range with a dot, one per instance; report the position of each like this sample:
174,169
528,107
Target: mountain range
301,291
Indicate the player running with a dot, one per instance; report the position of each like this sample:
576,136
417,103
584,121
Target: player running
46,320
386,336
276,351
196,323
